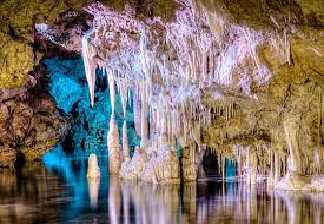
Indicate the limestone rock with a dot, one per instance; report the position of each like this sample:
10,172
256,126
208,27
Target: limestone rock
17,56
30,127
162,168
132,169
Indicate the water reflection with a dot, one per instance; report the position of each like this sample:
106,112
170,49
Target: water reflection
65,195
93,185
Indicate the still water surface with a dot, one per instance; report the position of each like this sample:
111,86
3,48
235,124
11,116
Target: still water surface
60,193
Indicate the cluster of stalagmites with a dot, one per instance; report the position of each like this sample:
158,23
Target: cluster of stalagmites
162,68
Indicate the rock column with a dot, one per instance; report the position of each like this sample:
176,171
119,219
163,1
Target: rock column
189,164
114,148
291,132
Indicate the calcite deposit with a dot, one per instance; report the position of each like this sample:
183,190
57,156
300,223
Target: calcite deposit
243,79
212,77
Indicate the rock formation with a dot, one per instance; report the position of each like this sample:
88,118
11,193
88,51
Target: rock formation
93,167
242,78
29,124
113,148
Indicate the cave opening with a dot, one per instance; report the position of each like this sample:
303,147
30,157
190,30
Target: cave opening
215,165
211,165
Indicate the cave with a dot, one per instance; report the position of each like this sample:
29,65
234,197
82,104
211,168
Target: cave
211,164
161,111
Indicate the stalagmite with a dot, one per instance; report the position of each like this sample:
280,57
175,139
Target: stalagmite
190,167
114,148
277,168
123,93
93,167
291,131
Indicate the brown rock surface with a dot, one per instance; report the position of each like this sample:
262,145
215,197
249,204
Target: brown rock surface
31,125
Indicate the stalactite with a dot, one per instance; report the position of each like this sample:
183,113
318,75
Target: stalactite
223,167
285,165
168,81
137,113
87,53
291,129
322,115
111,82
287,48
271,174
143,115
219,160
125,142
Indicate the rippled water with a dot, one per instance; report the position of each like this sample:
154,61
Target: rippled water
62,194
